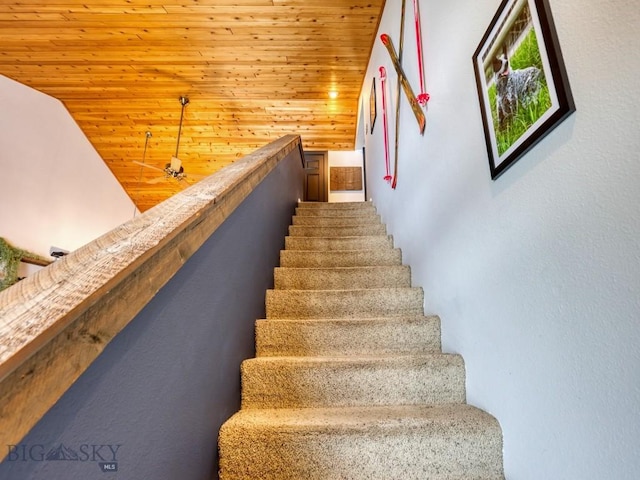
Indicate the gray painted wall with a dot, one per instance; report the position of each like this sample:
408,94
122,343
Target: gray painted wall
165,384
536,275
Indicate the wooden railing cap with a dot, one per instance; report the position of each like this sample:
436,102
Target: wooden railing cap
38,308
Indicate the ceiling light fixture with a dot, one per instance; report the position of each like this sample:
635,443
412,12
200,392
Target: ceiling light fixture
333,94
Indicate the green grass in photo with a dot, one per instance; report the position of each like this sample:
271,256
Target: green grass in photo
527,55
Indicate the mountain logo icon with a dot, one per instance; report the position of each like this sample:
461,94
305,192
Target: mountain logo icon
62,453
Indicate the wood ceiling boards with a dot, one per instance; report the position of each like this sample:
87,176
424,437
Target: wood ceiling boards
254,70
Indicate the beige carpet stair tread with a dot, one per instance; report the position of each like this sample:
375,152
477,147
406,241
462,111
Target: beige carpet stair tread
447,442
335,212
361,419
348,337
376,302
319,278
351,231
360,242
331,221
335,205
303,382
340,258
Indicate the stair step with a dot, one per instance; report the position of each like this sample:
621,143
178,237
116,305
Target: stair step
336,221
335,212
342,277
361,242
448,442
305,231
315,382
377,302
337,258
337,205
347,337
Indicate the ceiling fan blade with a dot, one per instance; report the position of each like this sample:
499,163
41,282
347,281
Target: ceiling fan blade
148,166
156,180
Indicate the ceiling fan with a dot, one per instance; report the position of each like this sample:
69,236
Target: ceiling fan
174,168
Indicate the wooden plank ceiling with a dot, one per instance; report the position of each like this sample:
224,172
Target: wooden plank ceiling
253,70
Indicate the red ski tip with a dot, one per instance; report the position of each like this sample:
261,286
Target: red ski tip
423,98
385,38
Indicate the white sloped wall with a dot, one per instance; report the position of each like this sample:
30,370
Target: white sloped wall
536,275
55,188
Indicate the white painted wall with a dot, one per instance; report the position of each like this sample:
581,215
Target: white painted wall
346,159
55,189
536,276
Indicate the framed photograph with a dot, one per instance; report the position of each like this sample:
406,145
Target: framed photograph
522,83
372,104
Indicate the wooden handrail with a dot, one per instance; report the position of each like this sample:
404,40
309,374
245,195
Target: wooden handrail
55,323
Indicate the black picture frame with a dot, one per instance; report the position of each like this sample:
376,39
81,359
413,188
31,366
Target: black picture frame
522,104
372,104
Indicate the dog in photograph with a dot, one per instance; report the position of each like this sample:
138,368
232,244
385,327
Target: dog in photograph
514,88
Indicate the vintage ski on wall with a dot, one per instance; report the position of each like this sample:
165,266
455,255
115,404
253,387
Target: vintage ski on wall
402,78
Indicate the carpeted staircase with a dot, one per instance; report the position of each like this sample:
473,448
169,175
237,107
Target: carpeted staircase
349,381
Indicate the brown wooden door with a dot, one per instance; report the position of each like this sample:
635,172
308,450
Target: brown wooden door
315,177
